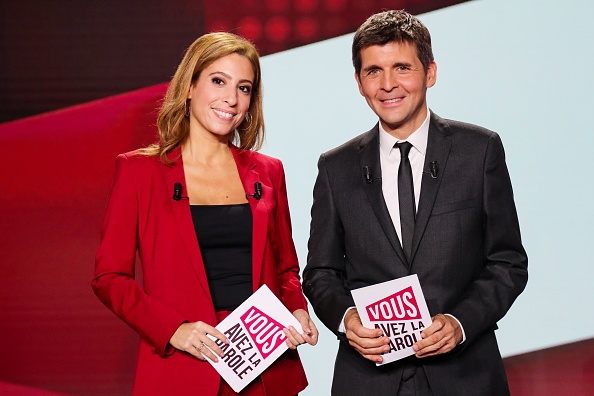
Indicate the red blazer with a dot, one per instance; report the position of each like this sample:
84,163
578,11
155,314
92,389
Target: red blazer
143,217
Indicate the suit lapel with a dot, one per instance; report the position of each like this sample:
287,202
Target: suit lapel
438,149
249,175
181,209
369,155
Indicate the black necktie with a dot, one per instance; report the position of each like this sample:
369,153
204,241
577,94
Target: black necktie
406,198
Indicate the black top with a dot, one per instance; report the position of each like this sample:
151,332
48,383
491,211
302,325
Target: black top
224,234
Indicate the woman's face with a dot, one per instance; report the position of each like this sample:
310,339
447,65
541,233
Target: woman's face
221,96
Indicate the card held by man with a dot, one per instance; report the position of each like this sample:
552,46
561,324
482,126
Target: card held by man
398,308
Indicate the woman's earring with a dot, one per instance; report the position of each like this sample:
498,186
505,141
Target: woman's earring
187,113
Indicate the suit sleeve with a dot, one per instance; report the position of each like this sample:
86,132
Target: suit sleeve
504,273
287,265
324,273
114,282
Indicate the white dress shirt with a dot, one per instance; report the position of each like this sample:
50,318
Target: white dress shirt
390,161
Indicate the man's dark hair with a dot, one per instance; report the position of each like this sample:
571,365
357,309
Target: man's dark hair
393,26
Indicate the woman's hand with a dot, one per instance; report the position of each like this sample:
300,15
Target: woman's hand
310,332
192,338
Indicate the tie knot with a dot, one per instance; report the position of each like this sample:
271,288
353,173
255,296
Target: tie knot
404,148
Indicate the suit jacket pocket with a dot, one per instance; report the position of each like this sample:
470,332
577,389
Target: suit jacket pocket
452,207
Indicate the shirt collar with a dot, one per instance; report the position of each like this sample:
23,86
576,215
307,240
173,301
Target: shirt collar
418,138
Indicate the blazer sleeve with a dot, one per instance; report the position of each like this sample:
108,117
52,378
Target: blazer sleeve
504,273
324,273
114,282
287,264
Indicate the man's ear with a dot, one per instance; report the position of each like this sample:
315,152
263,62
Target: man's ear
431,75
358,79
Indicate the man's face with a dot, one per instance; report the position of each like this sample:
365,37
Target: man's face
394,83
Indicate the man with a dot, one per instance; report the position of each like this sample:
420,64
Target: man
454,225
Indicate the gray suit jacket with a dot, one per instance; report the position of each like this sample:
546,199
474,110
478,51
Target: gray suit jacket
467,253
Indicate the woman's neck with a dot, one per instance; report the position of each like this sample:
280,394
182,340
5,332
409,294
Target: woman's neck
205,150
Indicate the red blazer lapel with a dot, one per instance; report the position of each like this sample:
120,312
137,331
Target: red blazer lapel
174,173
249,175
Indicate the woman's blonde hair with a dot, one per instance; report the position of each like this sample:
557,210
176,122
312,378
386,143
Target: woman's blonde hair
174,125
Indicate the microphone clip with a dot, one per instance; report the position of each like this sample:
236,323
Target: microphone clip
177,192
257,191
367,174
434,169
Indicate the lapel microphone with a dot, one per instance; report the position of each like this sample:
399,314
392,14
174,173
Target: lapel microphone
433,169
257,191
177,191
368,175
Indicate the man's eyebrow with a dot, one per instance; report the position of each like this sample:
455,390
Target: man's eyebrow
370,67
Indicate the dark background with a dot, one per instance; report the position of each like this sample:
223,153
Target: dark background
58,53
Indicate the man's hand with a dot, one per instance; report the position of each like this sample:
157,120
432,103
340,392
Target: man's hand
441,337
370,343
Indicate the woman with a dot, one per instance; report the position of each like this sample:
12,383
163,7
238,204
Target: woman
210,222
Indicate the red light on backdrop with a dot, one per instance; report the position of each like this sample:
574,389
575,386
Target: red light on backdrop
307,28
278,28
250,28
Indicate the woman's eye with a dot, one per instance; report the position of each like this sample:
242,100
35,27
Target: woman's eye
245,89
217,81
